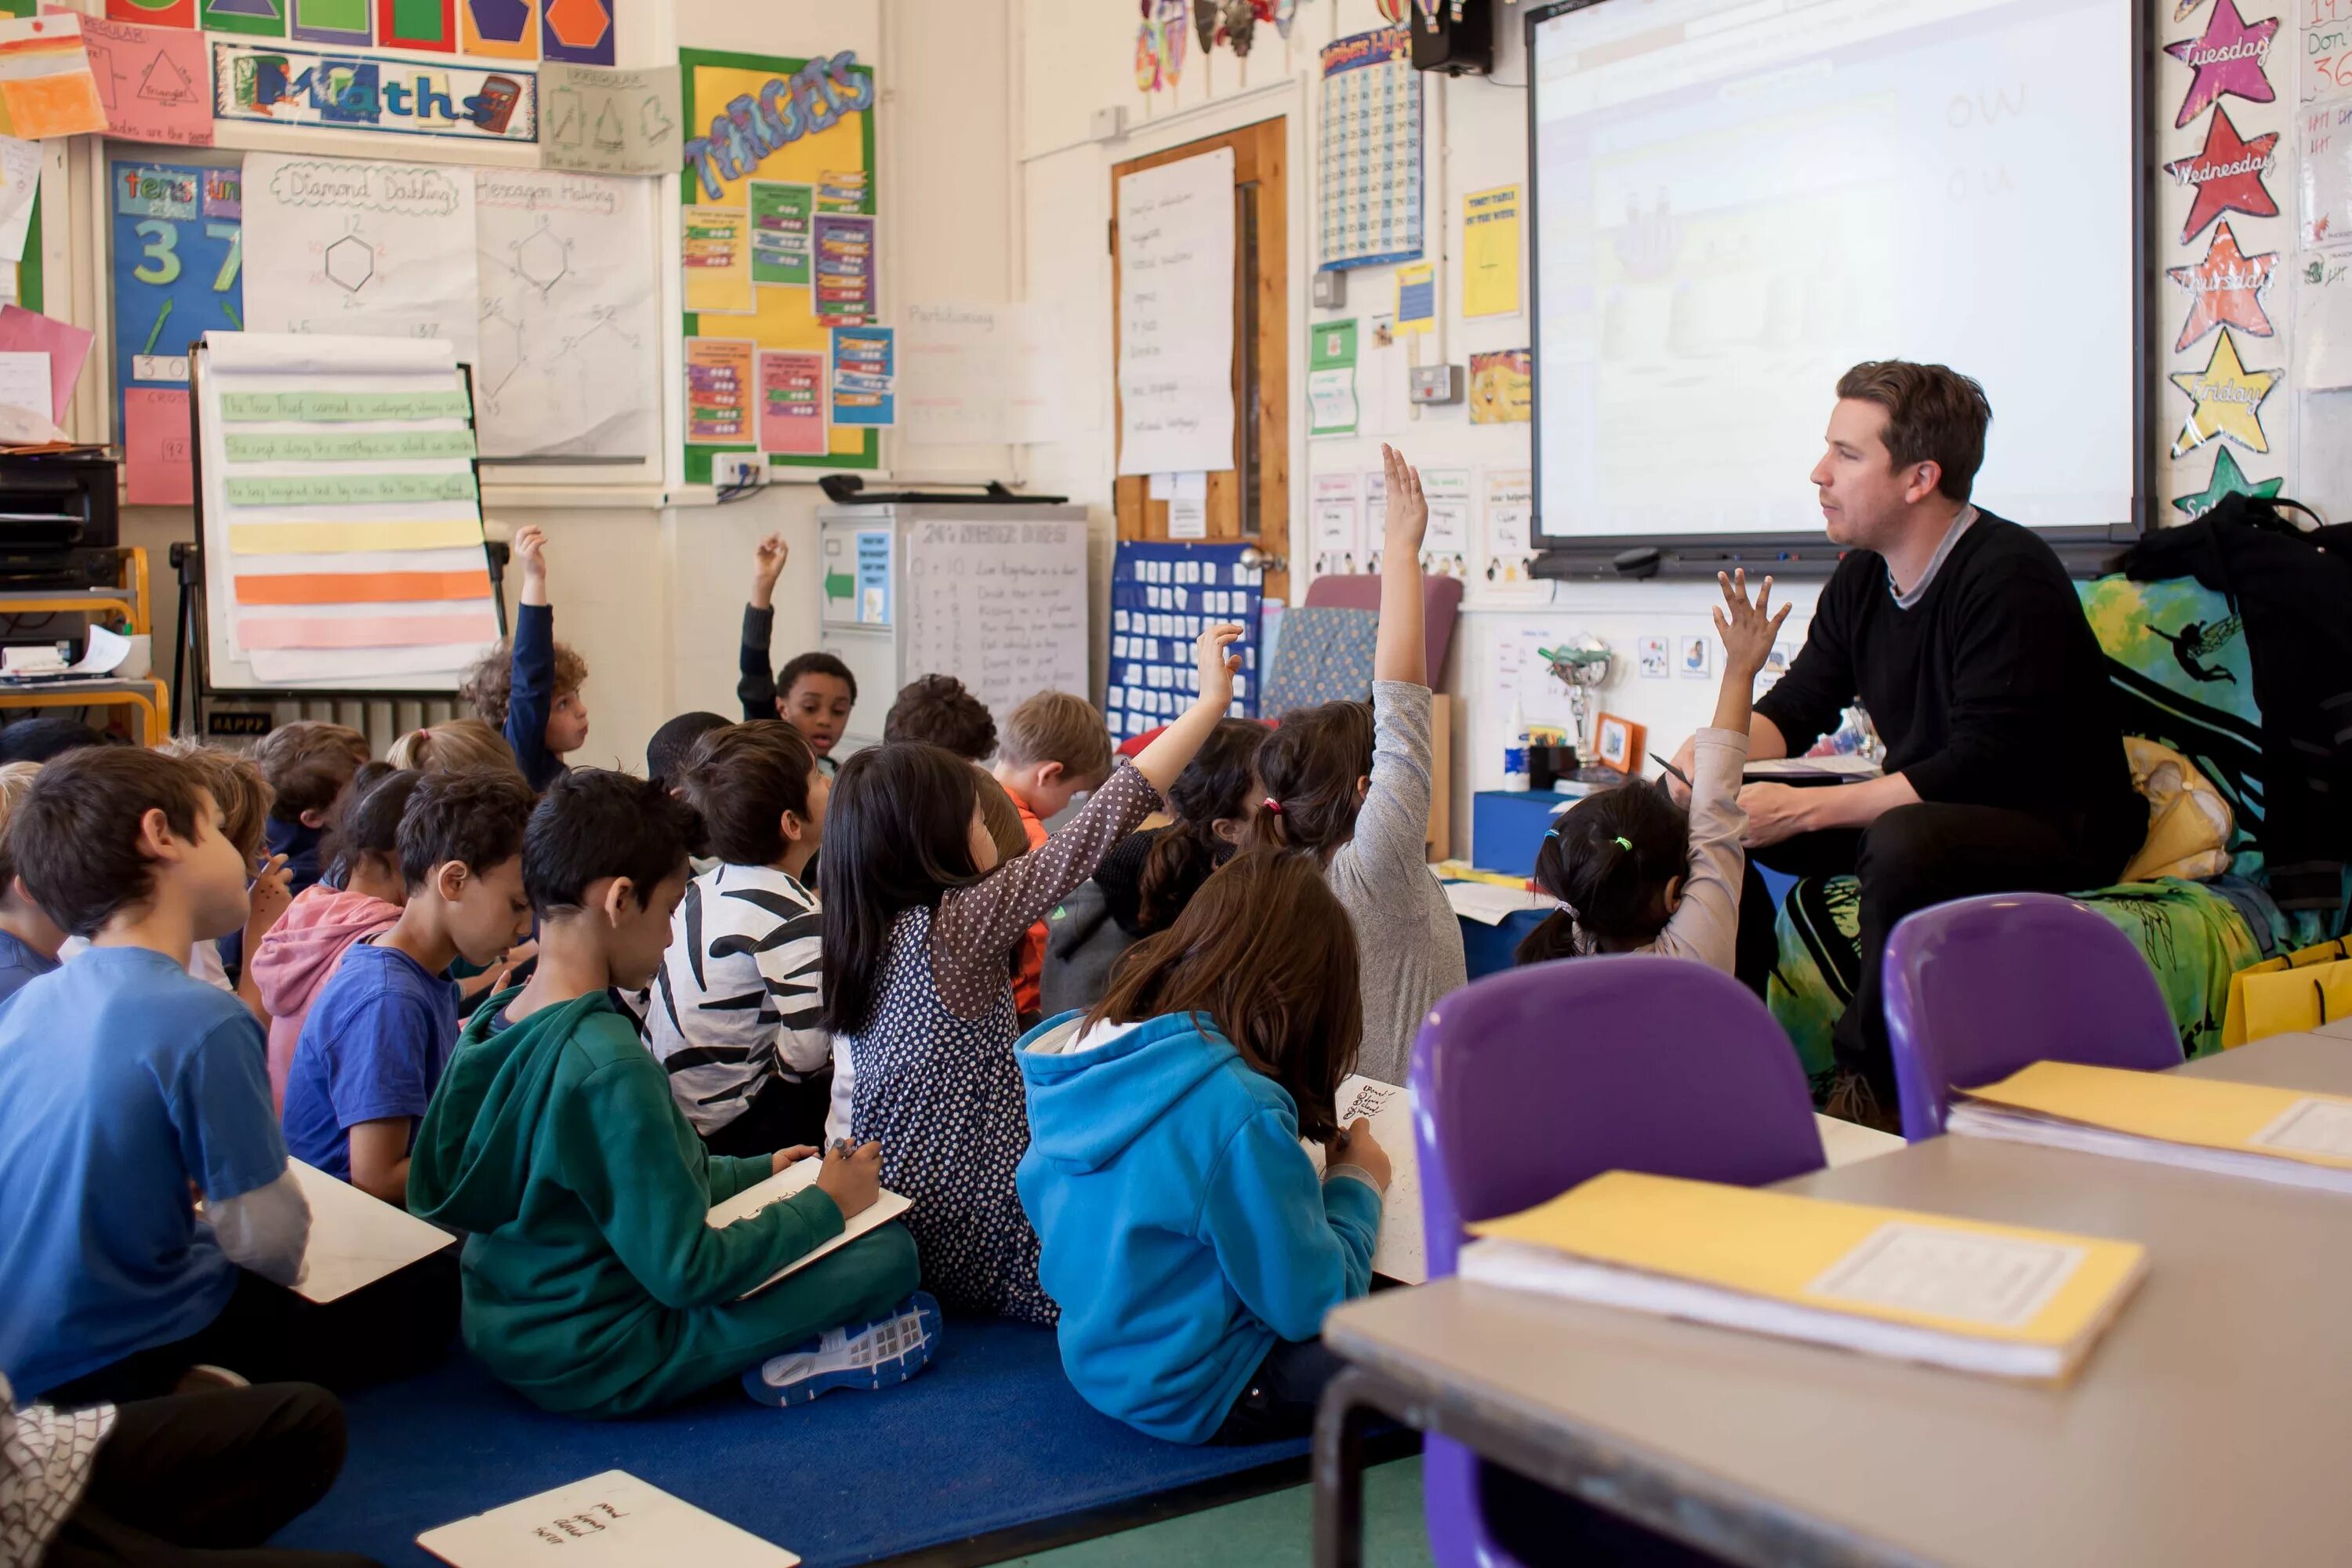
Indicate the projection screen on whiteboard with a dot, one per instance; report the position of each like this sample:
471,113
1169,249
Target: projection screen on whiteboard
1736,200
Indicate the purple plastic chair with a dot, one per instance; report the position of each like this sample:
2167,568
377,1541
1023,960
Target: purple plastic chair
1527,1082
1980,987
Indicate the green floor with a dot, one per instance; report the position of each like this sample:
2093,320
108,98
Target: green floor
1276,1530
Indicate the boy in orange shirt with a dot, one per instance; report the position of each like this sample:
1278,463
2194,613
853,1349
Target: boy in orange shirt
1055,746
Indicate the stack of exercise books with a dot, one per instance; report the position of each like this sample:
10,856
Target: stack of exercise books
2002,1300
2283,1135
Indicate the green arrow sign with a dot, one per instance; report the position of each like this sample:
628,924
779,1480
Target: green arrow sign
840,586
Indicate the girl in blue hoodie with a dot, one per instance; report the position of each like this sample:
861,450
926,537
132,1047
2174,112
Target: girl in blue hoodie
1191,1244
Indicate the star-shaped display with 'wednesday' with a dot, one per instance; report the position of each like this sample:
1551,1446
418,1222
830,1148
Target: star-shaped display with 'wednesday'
2226,57
2226,288
2227,175
2228,399
2228,480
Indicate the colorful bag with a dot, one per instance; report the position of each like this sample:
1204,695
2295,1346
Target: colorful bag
2289,996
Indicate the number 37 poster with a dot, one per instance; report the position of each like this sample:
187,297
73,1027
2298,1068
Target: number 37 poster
178,255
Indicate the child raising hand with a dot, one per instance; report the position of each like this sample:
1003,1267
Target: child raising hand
1631,872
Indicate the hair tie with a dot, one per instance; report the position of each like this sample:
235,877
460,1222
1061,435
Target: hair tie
1551,832
1623,842
1273,805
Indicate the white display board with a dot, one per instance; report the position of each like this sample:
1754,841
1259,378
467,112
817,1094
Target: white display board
1000,605
1176,316
342,529
1735,201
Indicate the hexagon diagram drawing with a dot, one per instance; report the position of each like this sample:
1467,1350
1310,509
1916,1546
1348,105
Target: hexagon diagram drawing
350,263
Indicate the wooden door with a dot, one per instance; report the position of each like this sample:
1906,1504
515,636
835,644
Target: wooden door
1250,502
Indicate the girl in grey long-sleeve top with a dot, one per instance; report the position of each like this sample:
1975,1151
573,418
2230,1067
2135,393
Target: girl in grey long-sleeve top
1352,784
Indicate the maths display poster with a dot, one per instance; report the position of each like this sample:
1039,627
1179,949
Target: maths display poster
780,198
178,249
1368,164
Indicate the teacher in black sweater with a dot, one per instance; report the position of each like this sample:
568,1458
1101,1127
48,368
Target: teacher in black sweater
1962,637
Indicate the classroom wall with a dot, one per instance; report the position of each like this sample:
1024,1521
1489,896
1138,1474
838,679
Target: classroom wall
1077,58
650,594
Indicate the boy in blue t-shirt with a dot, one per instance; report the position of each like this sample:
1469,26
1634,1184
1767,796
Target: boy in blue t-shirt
30,939
384,1025
125,1084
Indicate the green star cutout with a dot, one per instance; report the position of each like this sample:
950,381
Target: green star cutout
2228,480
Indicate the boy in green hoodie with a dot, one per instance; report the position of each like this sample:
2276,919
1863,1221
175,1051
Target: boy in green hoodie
593,1284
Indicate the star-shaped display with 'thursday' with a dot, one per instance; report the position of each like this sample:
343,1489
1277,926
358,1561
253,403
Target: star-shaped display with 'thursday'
2226,288
2228,58
2228,399
2228,480
2227,174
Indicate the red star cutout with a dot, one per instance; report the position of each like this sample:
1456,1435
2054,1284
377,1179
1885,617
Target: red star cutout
2226,288
2228,174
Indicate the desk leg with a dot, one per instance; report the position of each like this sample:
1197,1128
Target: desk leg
1339,1470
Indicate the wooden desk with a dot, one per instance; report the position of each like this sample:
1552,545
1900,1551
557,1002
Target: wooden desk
2211,1426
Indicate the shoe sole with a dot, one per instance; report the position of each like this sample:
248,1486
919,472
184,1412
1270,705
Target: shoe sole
887,1373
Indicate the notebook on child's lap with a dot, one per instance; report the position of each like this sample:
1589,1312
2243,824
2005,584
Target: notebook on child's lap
2283,1135
785,1183
356,1239
612,1521
1400,1253
2003,1301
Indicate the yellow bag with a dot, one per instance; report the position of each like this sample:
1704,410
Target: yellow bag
2190,822
2291,995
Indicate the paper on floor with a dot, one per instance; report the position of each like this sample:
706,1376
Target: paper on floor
612,1521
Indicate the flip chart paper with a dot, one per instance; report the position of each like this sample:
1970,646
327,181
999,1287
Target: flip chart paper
1176,316
569,364
348,448
361,588
327,407
361,248
349,490
153,81
602,121
328,537
357,631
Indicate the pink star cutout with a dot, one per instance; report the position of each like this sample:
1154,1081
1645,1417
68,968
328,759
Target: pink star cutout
2227,57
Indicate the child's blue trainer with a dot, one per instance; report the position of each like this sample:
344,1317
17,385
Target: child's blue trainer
874,1354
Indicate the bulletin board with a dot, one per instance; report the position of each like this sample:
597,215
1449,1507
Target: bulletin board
785,353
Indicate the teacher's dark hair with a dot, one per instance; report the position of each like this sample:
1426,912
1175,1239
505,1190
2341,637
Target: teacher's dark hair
1933,414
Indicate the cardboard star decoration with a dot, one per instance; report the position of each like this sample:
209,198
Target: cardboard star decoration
2228,58
2228,480
2227,174
2227,400
2226,288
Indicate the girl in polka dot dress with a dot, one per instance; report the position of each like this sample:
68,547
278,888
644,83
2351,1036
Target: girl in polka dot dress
918,919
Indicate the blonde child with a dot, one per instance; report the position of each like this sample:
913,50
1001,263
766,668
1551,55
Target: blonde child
918,919
1055,747
1351,785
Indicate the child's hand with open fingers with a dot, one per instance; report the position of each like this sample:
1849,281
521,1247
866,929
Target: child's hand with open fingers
1219,665
1408,512
1748,630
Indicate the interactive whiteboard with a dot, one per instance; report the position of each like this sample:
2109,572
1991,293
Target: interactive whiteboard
1736,200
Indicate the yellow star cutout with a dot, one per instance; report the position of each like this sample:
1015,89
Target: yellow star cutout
2228,397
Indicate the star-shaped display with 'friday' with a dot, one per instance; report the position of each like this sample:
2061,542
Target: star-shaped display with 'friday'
2228,399
2226,288
2227,174
2226,57
2228,480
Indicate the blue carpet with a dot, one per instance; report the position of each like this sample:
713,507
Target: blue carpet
989,1436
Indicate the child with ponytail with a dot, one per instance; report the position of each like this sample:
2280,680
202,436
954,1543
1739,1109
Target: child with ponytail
1632,873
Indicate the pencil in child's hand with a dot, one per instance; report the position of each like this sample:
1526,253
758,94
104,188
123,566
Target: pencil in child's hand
1670,767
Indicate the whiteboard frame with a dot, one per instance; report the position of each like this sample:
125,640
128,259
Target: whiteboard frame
2085,547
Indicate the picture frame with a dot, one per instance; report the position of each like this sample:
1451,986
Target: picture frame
1617,743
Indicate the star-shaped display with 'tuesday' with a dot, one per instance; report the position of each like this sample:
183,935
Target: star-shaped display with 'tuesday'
2226,57
2227,174
2228,480
2228,399
2226,288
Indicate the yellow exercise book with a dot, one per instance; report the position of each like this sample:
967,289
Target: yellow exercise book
2001,1299
2285,1135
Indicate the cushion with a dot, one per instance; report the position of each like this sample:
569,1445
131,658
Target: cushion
1325,656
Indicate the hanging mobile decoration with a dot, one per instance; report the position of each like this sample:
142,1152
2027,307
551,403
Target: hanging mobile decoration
1174,41
1428,9
1241,25
1393,12
1285,12
1207,17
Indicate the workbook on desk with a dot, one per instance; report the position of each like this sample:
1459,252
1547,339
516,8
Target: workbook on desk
1401,1252
2283,1135
612,1521
2002,1300
792,1179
